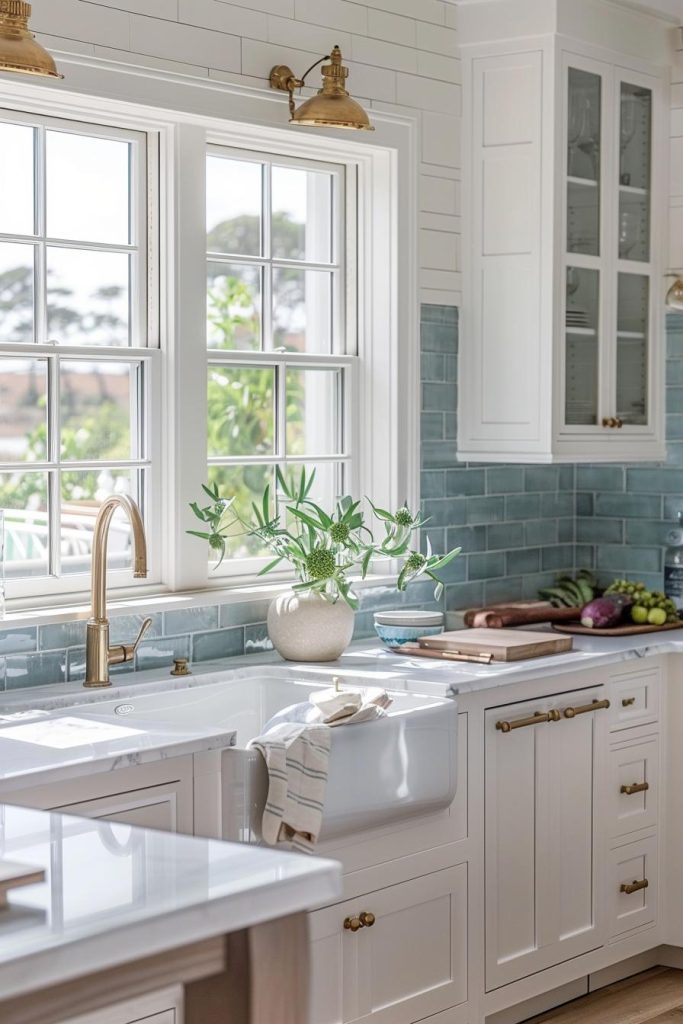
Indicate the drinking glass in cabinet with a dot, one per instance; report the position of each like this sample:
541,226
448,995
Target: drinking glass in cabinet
581,346
583,125
633,296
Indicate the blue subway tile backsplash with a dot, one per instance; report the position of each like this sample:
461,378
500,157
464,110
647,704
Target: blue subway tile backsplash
518,526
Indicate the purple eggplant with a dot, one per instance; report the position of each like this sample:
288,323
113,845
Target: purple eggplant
604,612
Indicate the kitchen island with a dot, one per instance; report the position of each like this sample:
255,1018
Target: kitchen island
132,924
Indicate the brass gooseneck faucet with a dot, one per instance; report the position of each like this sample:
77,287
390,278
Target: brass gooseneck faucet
98,654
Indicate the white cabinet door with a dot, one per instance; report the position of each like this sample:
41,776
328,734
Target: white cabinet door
161,1007
168,808
409,963
541,857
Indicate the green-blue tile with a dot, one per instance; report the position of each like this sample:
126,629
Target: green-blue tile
469,538
559,556
464,595
465,482
541,478
243,612
18,640
540,532
522,506
508,589
484,566
504,479
256,639
654,481
485,510
522,561
599,531
190,620
161,651
40,669
221,643
123,629
645,532
557,505
599,478
432,426
584,504
441,397
622,558
504,536
628,506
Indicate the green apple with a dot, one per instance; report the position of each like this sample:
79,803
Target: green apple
656,616
639,614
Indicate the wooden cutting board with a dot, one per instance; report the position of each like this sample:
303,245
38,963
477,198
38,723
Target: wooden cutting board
501,644
13,874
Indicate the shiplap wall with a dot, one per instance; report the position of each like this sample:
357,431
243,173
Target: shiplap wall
403,56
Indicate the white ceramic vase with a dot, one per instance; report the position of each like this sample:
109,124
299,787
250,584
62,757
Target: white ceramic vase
306,627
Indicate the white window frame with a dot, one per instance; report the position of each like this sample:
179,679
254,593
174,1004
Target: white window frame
186,114
143,347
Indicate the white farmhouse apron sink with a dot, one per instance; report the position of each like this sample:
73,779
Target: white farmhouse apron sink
380,772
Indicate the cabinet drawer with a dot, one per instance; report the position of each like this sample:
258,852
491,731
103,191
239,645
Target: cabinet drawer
634,787
632,865
634,700
409,963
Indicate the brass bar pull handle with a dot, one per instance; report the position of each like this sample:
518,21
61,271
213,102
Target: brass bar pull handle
521,723
583,709
634,886
635,787
627,702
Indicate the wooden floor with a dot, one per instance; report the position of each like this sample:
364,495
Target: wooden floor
653,997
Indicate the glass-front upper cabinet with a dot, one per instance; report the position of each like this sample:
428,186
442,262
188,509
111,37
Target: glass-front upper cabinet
608,246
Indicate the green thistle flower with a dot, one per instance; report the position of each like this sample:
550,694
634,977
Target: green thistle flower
216,542
340,533
415,562
320,564
404,517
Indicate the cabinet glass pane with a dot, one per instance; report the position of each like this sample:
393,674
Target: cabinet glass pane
635,136
583,125
581,346
632,347
583,218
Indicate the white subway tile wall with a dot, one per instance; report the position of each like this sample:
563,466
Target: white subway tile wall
402,52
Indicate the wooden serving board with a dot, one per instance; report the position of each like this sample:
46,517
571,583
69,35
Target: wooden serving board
14,874
632,630
501,644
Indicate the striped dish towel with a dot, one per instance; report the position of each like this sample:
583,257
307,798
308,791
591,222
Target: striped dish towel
297,757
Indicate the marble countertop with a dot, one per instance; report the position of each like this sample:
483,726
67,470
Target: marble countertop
114,893
52,745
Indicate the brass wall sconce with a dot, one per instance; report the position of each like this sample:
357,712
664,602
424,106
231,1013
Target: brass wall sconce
332,107
19,50
674,296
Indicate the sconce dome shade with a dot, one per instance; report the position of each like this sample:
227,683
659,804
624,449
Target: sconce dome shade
19,50
338,110
674,296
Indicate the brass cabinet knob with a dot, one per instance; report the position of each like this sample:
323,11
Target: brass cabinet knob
618,422
634,886
609,421
364,920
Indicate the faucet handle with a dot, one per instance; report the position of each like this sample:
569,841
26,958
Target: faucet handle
126,652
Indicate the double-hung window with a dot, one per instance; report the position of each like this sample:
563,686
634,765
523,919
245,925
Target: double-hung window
280,331
74,334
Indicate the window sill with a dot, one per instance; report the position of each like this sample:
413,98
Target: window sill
146,602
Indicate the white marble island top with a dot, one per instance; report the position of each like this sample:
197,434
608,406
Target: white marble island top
115,893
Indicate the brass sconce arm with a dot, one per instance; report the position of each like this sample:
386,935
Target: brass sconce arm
282,77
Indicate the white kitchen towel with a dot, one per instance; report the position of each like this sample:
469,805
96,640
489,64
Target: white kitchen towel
297,757
344,707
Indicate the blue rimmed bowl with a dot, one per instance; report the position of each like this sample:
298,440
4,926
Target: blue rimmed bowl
402,627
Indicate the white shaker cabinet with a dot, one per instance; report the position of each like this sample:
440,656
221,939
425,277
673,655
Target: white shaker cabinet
544,765
564,179
394,956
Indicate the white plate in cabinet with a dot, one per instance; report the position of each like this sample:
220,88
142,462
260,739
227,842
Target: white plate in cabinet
392,956
635,700
632,881
634,787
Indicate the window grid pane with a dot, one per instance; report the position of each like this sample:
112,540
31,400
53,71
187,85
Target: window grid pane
300,286
73,429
